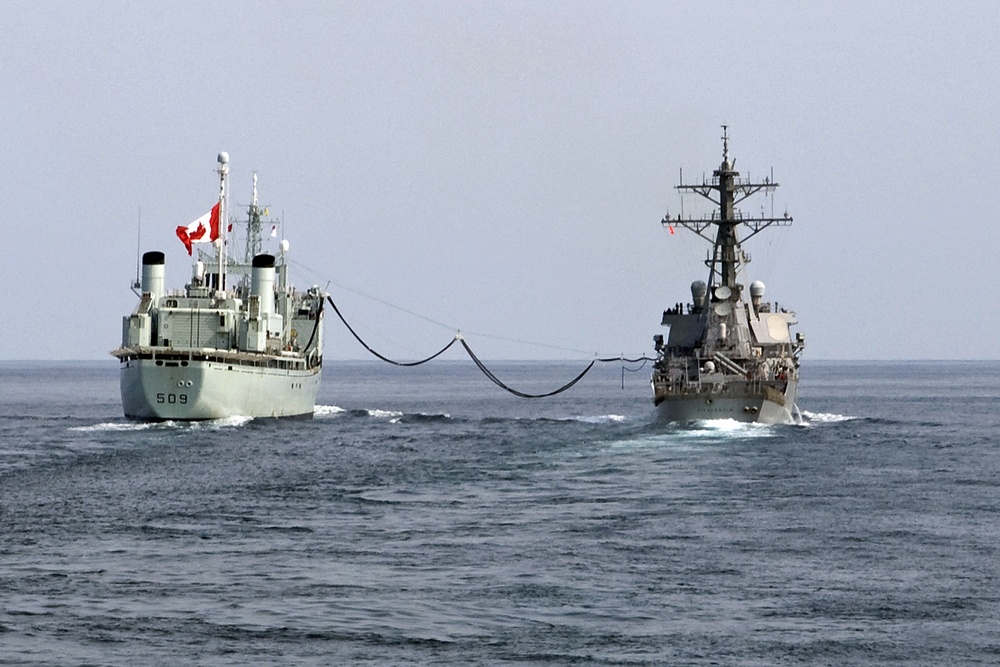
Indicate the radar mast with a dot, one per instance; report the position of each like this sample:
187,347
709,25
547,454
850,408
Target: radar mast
254,243
726,189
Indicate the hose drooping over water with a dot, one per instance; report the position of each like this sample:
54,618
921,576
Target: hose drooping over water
479,364
383,358
319,318
495,380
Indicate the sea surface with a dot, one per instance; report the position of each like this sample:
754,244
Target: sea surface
425,517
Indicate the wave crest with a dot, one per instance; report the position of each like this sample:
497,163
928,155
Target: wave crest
825,417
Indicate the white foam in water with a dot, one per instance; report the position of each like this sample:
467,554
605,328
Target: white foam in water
228,422
599,419
728,428
328,411
114,426
825,417
385,414
698,435
677,441
728,425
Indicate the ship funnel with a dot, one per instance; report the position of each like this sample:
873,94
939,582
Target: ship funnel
153,270
262,282
698,291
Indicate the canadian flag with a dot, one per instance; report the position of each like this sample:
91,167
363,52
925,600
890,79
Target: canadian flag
203,230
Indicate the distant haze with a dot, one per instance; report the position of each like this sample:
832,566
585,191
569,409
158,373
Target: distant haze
502,167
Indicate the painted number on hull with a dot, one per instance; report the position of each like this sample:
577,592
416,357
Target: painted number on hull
172,398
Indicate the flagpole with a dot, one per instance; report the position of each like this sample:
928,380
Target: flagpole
223,172
138,252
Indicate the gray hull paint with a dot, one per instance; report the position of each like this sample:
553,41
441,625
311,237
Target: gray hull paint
729,353
212,390
749,409
237,341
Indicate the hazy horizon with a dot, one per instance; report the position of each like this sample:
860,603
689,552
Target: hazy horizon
503,167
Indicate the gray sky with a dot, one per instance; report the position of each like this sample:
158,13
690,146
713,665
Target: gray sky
503,167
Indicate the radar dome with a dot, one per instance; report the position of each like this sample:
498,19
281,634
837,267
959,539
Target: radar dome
699,290
757,289
223,157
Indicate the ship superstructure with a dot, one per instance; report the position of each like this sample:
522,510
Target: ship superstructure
238,340
729,354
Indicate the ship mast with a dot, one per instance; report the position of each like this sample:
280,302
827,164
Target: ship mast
253,245
726,189
223,173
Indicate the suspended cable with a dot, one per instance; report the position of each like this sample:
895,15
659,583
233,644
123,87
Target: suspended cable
384,358
369,296
643,358
493,378
482,367
312,336
348,288
626,360
528,342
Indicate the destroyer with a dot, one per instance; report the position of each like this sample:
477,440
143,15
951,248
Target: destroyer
238,340
726,357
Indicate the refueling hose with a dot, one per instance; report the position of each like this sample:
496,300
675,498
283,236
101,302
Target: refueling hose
482,367
383,358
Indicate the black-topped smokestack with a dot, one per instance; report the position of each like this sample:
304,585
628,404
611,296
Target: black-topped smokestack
153,273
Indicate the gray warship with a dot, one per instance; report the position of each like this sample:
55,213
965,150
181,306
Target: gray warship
237,341
727,356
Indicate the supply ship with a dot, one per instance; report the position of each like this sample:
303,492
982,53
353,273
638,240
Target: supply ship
238,340
728,354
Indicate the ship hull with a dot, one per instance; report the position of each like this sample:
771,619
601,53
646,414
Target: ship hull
201,390
748,407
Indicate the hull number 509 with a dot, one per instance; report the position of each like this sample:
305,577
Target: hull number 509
172,398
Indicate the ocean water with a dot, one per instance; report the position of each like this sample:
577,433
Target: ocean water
425,517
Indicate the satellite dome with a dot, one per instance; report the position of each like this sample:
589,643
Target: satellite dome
223,157
757,289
